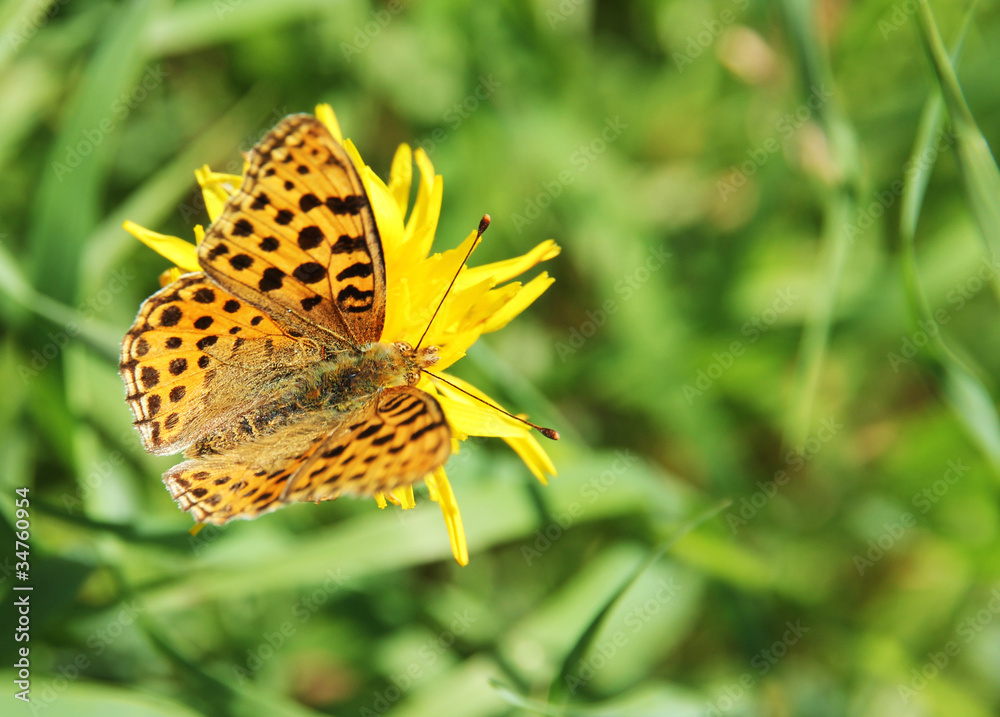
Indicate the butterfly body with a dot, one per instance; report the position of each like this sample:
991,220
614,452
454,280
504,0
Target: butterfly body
267,369
334,387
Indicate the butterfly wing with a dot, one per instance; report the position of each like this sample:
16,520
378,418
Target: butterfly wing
299,239
397,440
197,356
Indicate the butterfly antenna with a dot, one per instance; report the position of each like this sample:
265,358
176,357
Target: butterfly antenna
547,432
483,224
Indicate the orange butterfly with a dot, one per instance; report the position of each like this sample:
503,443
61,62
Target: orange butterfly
266,368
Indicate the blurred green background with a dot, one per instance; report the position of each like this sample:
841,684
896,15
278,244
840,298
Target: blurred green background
778,287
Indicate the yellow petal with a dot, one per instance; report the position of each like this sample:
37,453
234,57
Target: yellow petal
534,456
169,276
326,115
476,419
199,234
506,270
424,217
174,250
476,416
355,155
386,210
401,177
397,302
216,188
521,301
405,497
380,500
440,491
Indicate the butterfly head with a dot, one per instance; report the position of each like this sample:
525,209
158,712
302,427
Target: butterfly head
414,361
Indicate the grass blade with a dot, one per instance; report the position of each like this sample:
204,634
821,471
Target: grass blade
558,692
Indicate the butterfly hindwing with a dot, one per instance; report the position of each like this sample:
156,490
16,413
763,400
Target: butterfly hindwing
397,440
394,442
299,237
246,483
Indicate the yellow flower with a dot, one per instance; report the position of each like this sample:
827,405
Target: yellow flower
483,299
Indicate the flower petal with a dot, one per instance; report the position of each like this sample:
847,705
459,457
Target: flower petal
506,270
173,249
326,115
521,301
534,456
426,210
474,417
169,276
216,188
355,155
440,491
401,177
405,497
386,210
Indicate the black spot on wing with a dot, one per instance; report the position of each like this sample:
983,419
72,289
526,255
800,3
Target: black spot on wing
170,316
357,270
351,204
309,272
204,296
242,228
347,244
309,201
311,237
271,280
311,302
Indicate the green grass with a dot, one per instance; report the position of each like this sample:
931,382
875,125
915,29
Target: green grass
778,288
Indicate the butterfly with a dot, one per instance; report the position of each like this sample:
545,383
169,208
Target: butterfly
267,367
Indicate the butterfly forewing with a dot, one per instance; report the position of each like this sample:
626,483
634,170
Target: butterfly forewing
196,357
300,235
